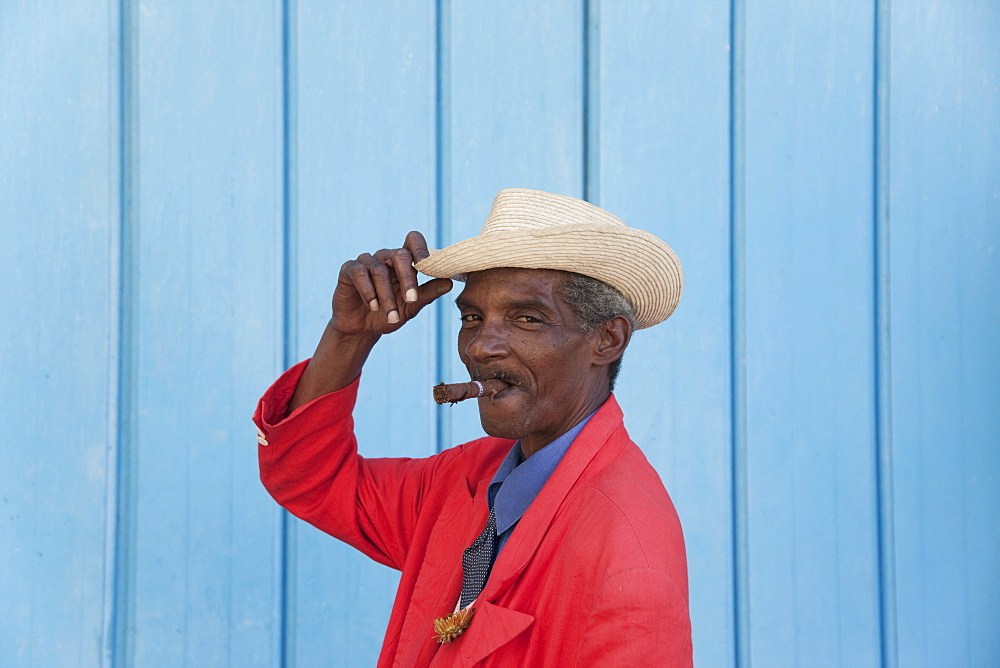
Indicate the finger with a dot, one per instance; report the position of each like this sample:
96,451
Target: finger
417,245
432,290
401,262
355,273
381,277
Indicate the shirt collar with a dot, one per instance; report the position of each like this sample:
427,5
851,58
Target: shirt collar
518,480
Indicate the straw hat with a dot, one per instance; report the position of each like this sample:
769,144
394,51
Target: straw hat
530,229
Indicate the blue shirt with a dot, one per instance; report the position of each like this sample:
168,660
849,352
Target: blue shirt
518,480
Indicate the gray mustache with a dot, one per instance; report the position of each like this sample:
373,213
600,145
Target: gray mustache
500,374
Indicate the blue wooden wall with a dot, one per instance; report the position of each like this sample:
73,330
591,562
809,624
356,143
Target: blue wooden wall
180,181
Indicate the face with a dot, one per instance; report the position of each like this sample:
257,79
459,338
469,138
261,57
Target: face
516,327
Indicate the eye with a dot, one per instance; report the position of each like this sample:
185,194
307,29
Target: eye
526,318
470,318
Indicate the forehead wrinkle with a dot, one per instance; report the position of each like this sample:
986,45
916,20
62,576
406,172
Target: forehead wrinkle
513,303
517,290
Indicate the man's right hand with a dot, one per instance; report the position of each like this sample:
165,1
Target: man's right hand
375,295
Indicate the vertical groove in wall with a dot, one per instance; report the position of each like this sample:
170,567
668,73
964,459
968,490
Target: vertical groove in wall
442,194
120,564
737,221
109,607
592,101
882,335
285,562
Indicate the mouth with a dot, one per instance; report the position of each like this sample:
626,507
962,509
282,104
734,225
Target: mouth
512,382
497,396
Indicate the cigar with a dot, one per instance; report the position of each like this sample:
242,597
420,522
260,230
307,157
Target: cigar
456,392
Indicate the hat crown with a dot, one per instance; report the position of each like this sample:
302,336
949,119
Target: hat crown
523,209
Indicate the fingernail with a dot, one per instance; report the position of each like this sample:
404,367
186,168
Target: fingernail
373,304
411,295
393,317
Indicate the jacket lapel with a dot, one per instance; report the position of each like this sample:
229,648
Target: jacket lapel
440,580
491,628
585,450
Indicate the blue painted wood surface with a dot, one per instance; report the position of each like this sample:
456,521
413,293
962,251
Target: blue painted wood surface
809,335
58,337
945,213
180,182
207,260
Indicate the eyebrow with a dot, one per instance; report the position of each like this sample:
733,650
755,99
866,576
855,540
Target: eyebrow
528,302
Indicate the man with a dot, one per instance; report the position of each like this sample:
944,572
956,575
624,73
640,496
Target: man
552,542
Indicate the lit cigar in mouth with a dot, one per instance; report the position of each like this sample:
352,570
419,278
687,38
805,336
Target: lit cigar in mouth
456,392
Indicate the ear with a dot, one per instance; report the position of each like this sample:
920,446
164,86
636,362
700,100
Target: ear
612,339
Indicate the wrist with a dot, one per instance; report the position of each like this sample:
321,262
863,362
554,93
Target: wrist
346,342
336,363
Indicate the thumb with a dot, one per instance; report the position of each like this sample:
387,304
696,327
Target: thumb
431,290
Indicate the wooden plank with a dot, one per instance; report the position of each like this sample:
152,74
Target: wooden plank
516,107
810,396
58,110
663,166
209,323
945,143
366,168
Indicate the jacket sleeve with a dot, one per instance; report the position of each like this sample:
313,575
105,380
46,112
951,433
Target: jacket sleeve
639,618
310,464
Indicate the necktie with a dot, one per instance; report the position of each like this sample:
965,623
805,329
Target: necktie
477,561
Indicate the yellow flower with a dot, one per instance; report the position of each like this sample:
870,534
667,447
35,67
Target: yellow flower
451,626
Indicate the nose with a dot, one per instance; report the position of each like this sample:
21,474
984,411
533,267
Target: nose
485,342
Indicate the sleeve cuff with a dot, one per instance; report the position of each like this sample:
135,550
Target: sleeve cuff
273,424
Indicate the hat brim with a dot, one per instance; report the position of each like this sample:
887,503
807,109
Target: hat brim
639,265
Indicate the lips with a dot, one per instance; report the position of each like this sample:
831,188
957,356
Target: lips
503,375
501,394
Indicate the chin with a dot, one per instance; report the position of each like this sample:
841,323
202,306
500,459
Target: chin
498,427
501,431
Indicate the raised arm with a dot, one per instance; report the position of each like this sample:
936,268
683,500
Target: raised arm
308,458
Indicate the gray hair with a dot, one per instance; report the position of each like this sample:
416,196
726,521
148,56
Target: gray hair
594,302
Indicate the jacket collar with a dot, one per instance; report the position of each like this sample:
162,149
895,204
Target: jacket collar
585,457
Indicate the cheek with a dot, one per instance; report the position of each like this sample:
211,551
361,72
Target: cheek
463,343
565,364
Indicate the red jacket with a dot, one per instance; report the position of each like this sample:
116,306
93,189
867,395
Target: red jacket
593,575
